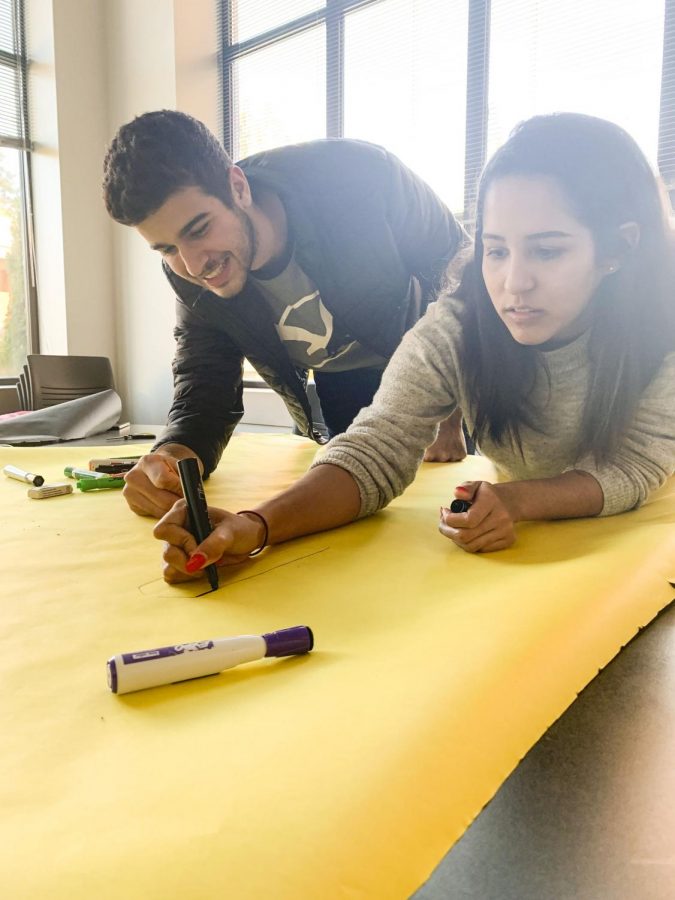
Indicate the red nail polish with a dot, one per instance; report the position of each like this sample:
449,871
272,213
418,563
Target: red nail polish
195,563
462,489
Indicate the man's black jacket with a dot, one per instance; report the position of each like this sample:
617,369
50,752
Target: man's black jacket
362,224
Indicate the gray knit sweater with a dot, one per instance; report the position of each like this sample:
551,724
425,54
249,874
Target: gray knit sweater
423,384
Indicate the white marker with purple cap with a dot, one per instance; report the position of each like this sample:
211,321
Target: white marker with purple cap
165,665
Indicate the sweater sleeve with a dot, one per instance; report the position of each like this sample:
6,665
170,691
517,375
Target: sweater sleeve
384,446
646,456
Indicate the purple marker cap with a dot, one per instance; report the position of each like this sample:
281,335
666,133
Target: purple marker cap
289,641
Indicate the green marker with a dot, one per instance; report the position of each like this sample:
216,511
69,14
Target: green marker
97,484
74,472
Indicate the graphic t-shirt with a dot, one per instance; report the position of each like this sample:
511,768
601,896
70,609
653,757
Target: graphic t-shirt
312,337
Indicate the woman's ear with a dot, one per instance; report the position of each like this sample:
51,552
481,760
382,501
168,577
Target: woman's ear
628,239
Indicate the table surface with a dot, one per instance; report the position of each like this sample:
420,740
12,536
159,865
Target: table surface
347,773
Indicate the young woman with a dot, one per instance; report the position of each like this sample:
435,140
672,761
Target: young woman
559,347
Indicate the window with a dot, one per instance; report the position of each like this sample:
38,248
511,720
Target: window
274,111
602,58
16,287
406,88
442,82
295,70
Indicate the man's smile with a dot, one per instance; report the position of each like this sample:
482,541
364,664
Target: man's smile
219,275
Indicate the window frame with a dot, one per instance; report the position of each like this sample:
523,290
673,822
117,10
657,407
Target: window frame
19,63
332,15
477,82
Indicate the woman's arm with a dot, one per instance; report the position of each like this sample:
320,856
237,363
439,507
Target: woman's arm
324,498
645,457
573,495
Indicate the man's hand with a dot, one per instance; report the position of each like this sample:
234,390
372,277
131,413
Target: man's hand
488,525
449,445
153,485
232,539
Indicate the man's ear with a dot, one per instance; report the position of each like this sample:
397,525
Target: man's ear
627,240
241,190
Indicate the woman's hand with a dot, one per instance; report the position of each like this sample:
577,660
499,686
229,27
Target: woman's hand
232,539
488,525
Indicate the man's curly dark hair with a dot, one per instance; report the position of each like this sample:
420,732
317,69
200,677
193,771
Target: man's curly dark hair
157,154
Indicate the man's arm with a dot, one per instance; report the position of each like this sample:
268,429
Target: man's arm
207,405
427,234
208,393
208,387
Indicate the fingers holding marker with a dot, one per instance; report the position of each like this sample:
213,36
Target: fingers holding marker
172,529
173,575
179,543
477,521
479,540
464,500
464,497
232,539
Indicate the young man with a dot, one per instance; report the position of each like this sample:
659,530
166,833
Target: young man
315,256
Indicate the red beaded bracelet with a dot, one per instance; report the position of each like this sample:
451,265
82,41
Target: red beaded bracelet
252,512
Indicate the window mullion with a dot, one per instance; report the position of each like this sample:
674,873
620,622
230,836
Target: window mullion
226,75
477,66
334,70
666,146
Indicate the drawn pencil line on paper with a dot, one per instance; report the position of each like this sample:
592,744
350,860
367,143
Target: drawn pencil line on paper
288,562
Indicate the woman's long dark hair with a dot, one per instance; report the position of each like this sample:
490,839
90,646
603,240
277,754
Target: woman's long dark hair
607,182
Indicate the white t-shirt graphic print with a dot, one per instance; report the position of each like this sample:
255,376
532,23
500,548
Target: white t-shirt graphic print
307,328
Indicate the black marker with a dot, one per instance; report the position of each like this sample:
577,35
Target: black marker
458,506
198,513
113,465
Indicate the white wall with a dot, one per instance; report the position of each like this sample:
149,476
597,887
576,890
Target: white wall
96,65
161,54
141,76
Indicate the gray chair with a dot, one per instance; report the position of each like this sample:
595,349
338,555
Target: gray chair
55,379
23,390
